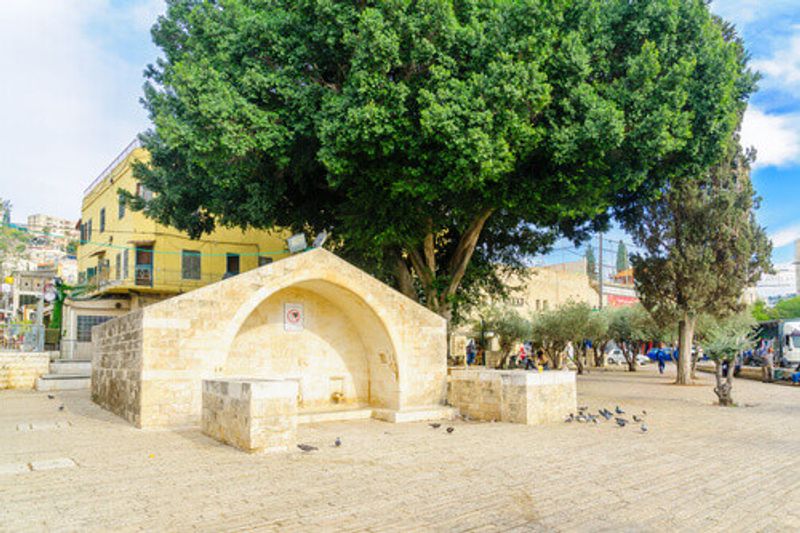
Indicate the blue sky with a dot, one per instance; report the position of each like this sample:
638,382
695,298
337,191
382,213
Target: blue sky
73,74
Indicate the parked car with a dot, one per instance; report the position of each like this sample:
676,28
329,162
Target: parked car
615,357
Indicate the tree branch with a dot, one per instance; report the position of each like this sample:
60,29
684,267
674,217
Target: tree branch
465,248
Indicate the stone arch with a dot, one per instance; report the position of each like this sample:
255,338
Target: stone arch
345,357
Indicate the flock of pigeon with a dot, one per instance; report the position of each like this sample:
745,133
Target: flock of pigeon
585,417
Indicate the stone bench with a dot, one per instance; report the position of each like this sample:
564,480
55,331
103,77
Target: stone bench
516,396
254,415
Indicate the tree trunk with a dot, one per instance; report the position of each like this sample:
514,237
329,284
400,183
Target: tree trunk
579,362
686,333
404,280
724,388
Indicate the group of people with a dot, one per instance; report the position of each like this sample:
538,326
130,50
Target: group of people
523,358
527,360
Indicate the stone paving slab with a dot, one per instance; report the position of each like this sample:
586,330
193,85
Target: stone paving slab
53,464
14,468
699,468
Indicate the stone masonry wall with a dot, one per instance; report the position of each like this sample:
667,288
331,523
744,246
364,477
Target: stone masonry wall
20,370
117,366
252,415
515,396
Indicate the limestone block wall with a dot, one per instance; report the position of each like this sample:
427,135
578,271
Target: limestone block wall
389,351
252,415
19,370
515,396
117,366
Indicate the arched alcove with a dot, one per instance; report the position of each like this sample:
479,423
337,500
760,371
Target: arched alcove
343,357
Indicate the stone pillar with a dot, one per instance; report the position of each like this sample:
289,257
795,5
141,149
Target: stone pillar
254,415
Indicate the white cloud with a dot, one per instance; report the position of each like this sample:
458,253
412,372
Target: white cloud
70,99
783,68
743,12
775,137
785,236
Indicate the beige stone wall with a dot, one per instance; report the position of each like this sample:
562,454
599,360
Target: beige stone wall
117,365
252,415
360,338
515,396
20,370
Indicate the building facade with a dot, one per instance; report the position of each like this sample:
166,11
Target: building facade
127,261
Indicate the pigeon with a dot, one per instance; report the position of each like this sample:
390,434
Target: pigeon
307,448
605,413
644,412
581,418
619,411
51,397
61,407
644,428
637,419
621,422
451,429
435,425
570,418
337,442
583,408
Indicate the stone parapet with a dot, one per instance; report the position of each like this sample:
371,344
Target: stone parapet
254,415
516,396
19,370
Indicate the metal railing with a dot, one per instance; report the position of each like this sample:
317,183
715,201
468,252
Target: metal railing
134,144
150,276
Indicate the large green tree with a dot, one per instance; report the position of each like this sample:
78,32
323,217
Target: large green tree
435,138
701,247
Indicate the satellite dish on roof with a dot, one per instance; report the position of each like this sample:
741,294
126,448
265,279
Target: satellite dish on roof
322,236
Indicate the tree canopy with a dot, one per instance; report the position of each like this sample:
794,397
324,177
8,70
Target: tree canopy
702,247
789,308
435,138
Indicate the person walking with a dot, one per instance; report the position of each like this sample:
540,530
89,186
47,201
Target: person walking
768,369
662,363
471,353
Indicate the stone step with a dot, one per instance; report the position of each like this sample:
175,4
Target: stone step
52,382
71,367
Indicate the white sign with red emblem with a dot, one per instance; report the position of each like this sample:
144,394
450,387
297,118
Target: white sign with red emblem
293,317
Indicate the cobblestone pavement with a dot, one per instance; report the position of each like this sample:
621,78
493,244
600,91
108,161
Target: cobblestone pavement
699,468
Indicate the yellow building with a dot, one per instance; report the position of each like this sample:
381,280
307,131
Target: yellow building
128,260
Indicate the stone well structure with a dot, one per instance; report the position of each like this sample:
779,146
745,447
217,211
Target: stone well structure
350,342
515,396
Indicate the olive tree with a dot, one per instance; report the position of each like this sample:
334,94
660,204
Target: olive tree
723,341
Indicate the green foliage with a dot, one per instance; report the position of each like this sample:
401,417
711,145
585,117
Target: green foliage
591,263
13,243
726,338
761,312
702,244
569,323
506,324
789,308
623,262
72,247
435,139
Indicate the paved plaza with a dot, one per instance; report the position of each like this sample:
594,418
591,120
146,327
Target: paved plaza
698,468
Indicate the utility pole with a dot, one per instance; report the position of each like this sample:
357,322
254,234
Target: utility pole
600,268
